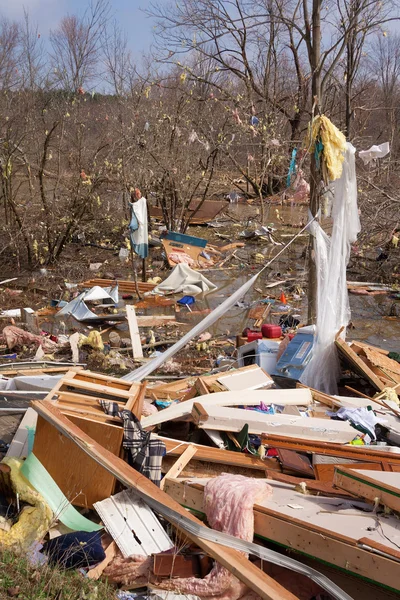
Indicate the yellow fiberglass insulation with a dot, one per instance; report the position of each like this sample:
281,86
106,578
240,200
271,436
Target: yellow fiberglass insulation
33,521
93,339
334,143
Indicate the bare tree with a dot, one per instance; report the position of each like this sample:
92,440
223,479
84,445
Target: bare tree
9,54
76,46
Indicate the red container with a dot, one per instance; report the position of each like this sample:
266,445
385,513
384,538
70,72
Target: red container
254,335
271,331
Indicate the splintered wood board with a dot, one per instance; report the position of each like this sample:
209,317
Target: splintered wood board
357,364
233,419
182,409
133,525
319,529
81,480
370,485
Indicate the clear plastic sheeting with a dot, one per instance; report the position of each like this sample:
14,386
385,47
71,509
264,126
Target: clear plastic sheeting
332,256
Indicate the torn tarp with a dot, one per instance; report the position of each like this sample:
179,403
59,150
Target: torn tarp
185,280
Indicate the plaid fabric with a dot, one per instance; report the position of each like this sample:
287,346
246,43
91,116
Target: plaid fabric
146,454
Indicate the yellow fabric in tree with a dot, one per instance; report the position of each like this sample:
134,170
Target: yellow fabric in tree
33,521
334,143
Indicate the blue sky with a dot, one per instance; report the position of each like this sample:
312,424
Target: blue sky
47,13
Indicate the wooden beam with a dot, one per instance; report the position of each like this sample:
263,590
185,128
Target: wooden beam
234,561
180,464
137,350
341,451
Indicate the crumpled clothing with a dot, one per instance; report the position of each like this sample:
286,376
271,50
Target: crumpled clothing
14,337
145,453
334,143
228,504
361,416
374,153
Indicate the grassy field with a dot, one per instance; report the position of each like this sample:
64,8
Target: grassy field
20,580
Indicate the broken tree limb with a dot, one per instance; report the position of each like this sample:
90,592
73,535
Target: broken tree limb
234,561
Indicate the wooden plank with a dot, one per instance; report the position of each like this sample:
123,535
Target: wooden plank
234,561
88,386
180,464
381,487
220,418
221,457
125,286
135,402
357,364
296,535
137,350
185,408
80,479
202,468
359,453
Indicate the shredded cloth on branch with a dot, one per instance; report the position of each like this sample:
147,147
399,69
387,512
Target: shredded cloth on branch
146,454
334,145
331,258
228,504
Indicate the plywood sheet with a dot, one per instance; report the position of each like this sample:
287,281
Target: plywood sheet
81,480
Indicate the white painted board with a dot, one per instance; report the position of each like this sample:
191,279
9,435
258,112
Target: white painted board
133,525
305,428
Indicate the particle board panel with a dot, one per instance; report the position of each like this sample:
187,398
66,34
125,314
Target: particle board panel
326,471
81,480
328,537
382,487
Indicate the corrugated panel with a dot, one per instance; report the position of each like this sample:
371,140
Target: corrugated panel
133,525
